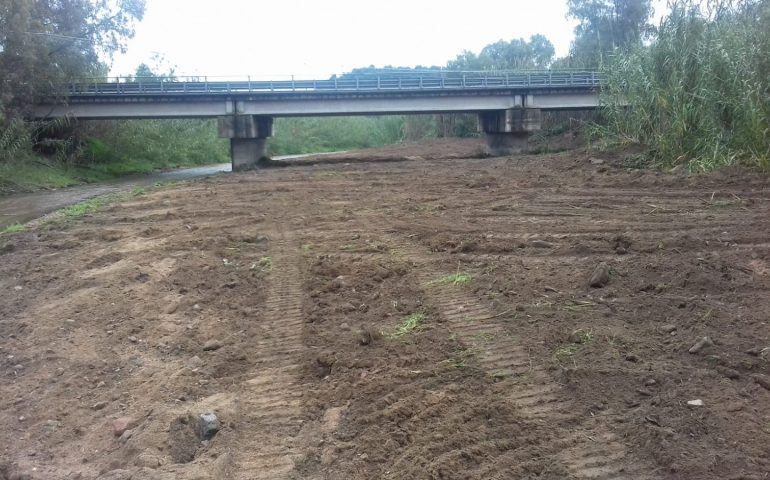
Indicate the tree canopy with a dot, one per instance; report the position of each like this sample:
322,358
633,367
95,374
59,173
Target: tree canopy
606,25
45,42
515,54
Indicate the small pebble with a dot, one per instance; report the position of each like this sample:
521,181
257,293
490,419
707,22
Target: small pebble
541,244
212,345
700,345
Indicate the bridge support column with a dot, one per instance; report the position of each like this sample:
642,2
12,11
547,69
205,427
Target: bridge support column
507,131
248,136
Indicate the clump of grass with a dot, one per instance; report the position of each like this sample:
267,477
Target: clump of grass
459,357
264,264
485,338
13,228
84,208
566,351
459,278
578,340
138,191
579,306
408,325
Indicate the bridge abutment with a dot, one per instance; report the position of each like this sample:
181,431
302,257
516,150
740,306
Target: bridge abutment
248,136
507,131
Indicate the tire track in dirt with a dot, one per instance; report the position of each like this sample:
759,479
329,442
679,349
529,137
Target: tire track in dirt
586,449
269,403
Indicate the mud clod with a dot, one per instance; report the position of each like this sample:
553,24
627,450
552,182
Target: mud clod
601,276
762,380
541,244
212,345
668,328
120,425
183,439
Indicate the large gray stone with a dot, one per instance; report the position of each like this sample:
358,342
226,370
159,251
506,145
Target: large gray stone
208,426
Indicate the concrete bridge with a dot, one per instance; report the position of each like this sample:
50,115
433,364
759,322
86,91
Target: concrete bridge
509,104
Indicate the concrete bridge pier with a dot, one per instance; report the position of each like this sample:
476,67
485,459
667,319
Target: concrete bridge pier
248,136
507,131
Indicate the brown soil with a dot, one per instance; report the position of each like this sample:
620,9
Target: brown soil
273,299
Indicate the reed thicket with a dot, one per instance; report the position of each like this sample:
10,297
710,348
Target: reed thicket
699,94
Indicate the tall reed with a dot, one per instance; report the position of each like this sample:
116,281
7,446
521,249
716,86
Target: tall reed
699,93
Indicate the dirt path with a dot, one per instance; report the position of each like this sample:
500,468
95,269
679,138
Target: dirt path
427,318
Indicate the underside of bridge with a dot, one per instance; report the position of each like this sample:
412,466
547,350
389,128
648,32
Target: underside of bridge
506,131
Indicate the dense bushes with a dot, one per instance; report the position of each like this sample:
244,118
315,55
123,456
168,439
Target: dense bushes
699,94
144,145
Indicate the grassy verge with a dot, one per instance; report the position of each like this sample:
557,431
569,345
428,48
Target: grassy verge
104,151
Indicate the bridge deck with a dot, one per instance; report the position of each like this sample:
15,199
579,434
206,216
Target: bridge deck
365,94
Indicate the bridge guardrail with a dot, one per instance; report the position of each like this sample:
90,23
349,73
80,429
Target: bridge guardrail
444,80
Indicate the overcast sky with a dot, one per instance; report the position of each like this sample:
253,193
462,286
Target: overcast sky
317,38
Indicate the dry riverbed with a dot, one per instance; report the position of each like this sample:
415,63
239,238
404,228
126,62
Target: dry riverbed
429,316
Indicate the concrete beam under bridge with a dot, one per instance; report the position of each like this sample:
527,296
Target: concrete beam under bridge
507,131
248,136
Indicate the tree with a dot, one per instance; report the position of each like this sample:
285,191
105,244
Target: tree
516,54
47,42
606,25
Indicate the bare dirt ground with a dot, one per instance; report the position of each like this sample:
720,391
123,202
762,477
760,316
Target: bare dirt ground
273,299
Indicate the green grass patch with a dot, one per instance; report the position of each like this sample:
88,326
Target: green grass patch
566,351
30,174
578,340
459,278
408,325
13,228
85,208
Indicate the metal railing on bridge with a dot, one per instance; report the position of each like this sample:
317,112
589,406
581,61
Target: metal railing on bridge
366,82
